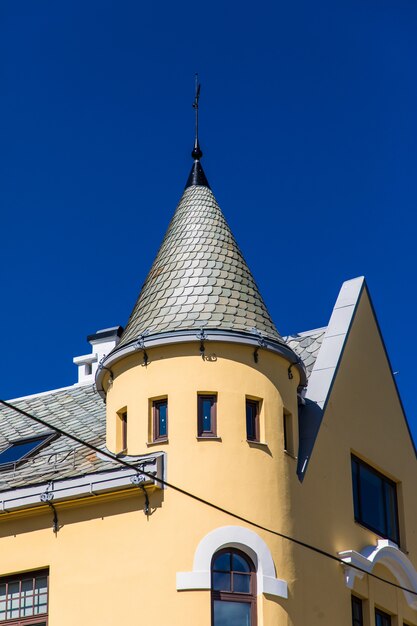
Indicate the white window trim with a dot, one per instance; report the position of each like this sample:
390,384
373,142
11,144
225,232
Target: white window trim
388,554
242,539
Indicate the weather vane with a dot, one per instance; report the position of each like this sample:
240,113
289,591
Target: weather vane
196,153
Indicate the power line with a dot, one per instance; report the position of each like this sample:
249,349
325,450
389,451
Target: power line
212,505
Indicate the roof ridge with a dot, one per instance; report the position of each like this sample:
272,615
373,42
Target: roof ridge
51,391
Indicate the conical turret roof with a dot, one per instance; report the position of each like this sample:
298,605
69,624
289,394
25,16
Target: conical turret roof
199,279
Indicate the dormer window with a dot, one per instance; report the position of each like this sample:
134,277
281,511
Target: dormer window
21,449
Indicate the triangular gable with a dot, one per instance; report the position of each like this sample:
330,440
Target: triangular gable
353,307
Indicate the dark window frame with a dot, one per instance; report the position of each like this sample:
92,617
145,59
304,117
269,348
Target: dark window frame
213,415
38,618
235,596
357,504
255,426
386,618
357,602
156,419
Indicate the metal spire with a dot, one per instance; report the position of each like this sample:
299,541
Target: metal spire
197,176
196,153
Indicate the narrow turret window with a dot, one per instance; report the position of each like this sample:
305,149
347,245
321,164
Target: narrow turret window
160,419
122,430
207,404
123,419
288,433
252,420
233,589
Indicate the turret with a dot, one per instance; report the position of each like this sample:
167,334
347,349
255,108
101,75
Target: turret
202,374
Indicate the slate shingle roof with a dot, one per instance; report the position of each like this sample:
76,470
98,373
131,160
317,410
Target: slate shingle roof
307,346
199,278
78,410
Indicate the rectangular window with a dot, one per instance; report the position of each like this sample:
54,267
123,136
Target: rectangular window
160,419
288,434
121,430
207,409
382,619
375,500
252,420
24,599
123,419
357,615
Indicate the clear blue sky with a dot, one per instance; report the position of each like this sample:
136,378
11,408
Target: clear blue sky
308,125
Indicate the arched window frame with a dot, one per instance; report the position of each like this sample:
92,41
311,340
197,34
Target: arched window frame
234,537
232,595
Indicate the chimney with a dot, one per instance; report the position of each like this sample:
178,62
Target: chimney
102,342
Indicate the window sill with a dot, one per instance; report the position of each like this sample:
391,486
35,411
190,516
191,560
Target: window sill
157,442
208,438
290,454
255,444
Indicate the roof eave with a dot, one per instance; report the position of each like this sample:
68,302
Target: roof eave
187,336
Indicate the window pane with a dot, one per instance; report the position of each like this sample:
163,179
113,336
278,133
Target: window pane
239,564
241,583
391,507
221,581
375,500
231,613
372,505
382,619
223,562
356,612
162,412
251,420
355,483
41,584
17,451
206,406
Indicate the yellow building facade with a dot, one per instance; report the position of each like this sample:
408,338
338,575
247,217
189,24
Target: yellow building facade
206,470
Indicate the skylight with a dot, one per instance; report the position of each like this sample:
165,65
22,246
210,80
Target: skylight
20,450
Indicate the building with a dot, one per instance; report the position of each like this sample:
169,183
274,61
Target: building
233,476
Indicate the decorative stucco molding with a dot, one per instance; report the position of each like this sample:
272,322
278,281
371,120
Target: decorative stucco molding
233,537
388,554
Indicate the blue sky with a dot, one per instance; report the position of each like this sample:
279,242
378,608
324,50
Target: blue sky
308,127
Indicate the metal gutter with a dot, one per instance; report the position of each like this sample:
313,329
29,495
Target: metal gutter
143,342
83,486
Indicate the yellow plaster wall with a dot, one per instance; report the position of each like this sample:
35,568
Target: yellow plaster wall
223,470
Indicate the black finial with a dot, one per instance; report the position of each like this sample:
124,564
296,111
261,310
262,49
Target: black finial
197,176
197,152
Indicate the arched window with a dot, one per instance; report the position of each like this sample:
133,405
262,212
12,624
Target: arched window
233,589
